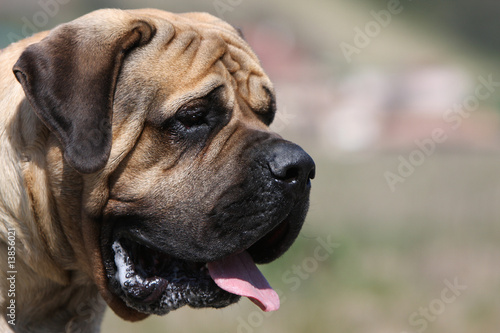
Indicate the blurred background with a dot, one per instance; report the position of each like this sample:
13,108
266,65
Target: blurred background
398,102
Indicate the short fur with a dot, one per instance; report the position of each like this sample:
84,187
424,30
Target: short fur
83,140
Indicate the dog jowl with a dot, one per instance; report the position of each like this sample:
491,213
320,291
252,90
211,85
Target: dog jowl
154,160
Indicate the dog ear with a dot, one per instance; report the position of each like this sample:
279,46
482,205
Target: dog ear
69,79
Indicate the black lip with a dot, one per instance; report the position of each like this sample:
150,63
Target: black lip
154,287
276,242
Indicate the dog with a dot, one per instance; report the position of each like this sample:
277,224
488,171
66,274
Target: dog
138,171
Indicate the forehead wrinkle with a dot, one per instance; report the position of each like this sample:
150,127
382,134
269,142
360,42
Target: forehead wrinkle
180,43
250,80
191,56
221,34
201,22
216,39
217,49
212,48
240,44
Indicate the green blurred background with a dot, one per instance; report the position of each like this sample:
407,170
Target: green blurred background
411,218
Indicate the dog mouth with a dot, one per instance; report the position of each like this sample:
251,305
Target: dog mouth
155,282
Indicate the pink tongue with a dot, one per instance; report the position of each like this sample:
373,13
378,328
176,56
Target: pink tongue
239,275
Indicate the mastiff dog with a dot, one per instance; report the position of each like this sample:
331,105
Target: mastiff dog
138,171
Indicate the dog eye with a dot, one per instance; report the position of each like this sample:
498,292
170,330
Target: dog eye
192,116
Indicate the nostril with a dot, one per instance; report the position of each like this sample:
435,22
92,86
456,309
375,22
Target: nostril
291,175
285,173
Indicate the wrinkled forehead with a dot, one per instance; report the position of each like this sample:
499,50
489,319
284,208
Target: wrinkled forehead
201,52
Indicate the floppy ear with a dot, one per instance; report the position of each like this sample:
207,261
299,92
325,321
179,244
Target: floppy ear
69,79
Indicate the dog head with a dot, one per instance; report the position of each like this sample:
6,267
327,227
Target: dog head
163,167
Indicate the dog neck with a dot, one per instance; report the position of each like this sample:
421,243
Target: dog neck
48,295
45,306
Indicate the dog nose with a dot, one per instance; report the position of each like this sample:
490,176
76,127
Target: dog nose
291,165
